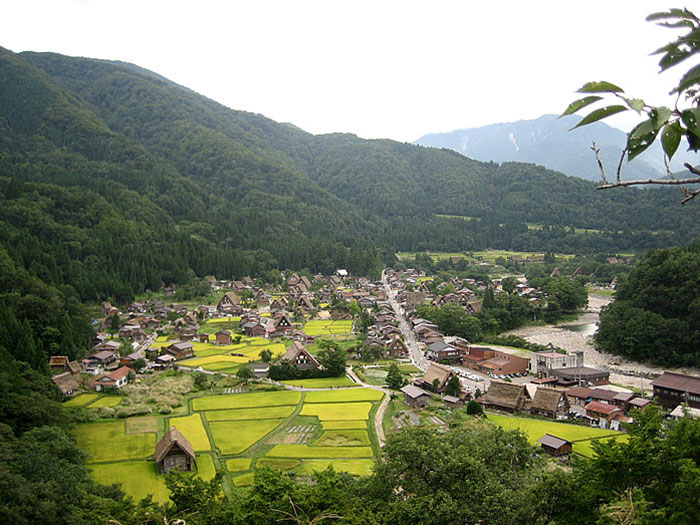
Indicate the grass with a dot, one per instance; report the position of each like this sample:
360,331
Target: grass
140,425
328,327
337,411
110,442
193,429
375,376
321,382
343,438
235,437
346,395
137,478
238,464
81,400
305,451
246,480
534,429
107,401
585,448
357,467
279,464
344,425
252,400
243,414
205,467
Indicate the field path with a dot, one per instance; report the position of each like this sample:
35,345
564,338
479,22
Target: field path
379,416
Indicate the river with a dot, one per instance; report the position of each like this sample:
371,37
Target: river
577,335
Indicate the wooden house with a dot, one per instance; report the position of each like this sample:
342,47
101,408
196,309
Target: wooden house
181,350
174,452
550,403
506,397
415,397
397,348
116,379
436,377
555,446
223,337
300,357
672,389
66,383
228,301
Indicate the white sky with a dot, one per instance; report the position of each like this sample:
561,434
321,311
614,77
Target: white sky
379,69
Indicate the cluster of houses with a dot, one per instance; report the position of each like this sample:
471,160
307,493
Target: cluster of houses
269,312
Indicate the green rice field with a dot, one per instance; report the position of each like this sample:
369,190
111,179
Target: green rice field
344,425
106,401
242,414
337,411
343,438
82,400
328,327
238,464
534,429
110,442
306,451
234,437
193,428
251,400
322,382
137,478
357,467
345,395
279,464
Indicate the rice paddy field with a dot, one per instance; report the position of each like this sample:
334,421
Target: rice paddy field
328,327
534,429
238,433
322,382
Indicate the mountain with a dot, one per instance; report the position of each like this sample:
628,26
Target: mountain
115,180
548,142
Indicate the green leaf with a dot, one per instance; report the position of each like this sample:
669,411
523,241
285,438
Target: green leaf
578,104
599,114
659,117
640,138
690,78
671,13
691,119
671,138
600,87
636,104
693,142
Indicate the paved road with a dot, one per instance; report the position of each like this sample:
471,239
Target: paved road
417,358
379,416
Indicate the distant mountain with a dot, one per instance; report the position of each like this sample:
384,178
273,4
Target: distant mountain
548,142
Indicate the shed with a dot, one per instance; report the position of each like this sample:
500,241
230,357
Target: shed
415,396
555,446
174,452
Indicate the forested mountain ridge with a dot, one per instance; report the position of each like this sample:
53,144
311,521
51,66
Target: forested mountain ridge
117,180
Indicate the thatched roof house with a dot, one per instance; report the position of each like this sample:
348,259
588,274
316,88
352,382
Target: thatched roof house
508,397
436,377
550,403
174,452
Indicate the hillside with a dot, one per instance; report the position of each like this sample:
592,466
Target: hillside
548,142
116,180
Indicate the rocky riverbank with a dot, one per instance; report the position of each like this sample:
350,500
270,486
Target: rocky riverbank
622,371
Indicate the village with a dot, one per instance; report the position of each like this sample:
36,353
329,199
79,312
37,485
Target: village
258,349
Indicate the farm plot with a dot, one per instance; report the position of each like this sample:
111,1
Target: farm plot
344,395
106,401
328,327
534,429
322,382
246,480
193,429
137,478
357,467
234,437
82,400
243,414
205,466
343,438
585,448
110,442
139,425
251,400
279,464
344,425
204,361
238,464
306,451
337,411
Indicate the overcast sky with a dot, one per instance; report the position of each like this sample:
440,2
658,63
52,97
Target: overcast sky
379,69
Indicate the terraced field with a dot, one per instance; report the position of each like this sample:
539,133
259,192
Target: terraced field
328,327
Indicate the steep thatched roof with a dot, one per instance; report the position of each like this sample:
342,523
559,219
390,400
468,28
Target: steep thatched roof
506,395
546,399
171,438
439,372
65,382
